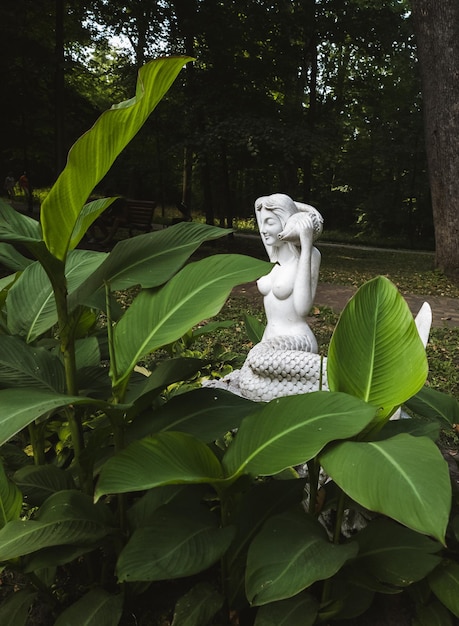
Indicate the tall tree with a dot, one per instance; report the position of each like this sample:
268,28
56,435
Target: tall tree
59,87
437,33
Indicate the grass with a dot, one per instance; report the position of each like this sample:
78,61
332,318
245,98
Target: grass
411,272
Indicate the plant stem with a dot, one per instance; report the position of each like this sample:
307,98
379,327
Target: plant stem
321,377
111,342
336,539
339,517
117,424
37,442
66,325
313,473
66,337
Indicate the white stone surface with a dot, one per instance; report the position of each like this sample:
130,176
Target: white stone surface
285,362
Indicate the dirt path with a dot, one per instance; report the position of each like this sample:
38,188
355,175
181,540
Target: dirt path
445,310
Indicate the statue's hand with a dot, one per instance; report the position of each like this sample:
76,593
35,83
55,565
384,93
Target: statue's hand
298,229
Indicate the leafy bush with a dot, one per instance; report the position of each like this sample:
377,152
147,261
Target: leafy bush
136,497
69,392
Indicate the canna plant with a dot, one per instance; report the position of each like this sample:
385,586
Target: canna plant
287,558
69,393
116,493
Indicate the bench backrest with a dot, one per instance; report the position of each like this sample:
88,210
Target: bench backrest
140,214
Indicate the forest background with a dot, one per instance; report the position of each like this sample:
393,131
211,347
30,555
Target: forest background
320,99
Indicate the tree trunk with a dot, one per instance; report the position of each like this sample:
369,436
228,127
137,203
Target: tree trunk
311,56
436,25
207,190
59,88
185,11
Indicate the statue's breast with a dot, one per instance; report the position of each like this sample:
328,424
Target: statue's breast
264,284
279,282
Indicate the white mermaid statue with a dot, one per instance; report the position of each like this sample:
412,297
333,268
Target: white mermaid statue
286,362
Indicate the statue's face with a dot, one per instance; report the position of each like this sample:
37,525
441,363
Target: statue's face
270,227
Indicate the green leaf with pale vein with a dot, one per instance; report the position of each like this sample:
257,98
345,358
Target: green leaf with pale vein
148,260
22,365
198,606
301,609
66,518
96,608
444,582
375,352
30,301
92,155
20,409
10,499
173,545
163,459
158,317
404,477
292,430
289,554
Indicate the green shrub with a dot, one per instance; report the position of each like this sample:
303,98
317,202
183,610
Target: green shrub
119,498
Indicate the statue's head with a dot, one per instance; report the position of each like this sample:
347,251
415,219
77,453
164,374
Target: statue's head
285,209
279,203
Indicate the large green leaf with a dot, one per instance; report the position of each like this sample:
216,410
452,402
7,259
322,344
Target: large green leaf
198,606
15,609
93,154
173,545
405,478
444,582
292,430
14,457
17,227
347,600
87,352
10,499
301,609
158,317
257,504
394,554
30,301
19,409
12,259
415,427
22,365
5,285
148,260
184,497
205,413
38,482
90,212
254,328
96,608
433,614
162,375
52,557
291,552
163,459
66,518
375,352
435,405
